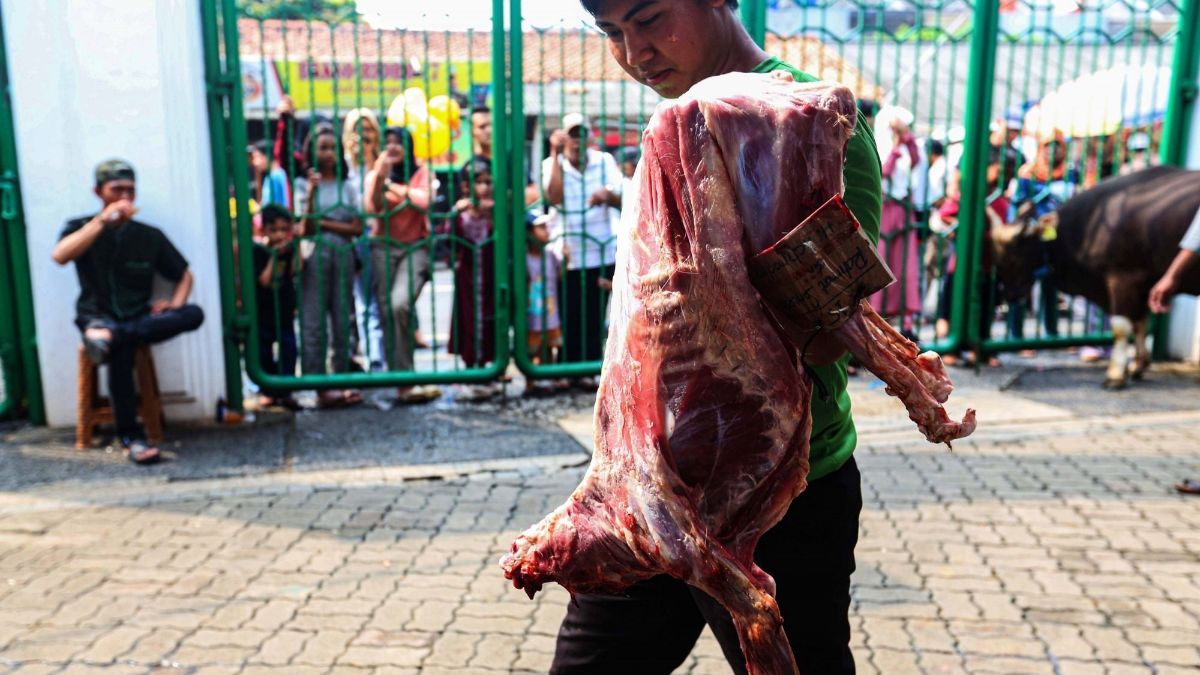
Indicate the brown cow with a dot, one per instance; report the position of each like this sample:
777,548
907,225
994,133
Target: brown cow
1109,244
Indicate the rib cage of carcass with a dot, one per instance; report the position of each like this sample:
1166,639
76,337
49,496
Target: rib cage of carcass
702,417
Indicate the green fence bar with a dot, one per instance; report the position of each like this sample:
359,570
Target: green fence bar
219,91
18,347
974,186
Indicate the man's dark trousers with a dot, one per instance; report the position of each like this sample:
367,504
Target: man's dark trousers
127,336
652,629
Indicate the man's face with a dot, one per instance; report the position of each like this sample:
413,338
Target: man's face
481,129
667,45
116,190
576,141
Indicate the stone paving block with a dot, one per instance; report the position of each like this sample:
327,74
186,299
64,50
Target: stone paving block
209,637
1188,656
496,651
324,648
1003,665
191,655
432,616
884,632
1073,667
371,657
271,615
281,647
113,644
453,650
895,662
1110,644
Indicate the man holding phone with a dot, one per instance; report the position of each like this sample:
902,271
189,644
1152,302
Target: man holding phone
116,259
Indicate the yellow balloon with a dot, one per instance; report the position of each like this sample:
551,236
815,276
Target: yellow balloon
397,116
431,138
447,110
415,105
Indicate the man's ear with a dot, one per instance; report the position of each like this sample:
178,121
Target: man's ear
97,191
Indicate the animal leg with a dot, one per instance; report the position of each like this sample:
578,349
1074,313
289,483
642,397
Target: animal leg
1118,374
1141,359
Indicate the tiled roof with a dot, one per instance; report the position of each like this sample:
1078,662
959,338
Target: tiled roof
549,55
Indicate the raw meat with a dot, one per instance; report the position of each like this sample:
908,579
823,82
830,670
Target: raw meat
702,417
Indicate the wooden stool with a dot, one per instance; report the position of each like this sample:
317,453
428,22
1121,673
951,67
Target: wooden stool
95,410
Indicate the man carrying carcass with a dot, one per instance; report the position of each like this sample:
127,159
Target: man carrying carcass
670,45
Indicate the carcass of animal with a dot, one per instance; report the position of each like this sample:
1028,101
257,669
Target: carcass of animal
702,416
1108,244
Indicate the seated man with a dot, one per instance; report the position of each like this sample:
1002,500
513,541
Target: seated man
116,259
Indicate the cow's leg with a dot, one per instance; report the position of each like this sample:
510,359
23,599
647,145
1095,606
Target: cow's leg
1141,358
1118,366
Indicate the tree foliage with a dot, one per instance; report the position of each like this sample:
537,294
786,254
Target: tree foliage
323,10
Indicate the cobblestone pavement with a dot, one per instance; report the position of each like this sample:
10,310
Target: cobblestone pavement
1049,544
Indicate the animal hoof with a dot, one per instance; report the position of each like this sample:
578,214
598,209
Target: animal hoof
1138,375
1114,385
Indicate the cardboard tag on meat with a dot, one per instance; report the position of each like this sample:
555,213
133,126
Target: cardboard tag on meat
813,278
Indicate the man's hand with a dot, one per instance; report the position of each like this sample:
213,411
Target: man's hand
1161,294
558,142
604,197
117,213
285,107
161,306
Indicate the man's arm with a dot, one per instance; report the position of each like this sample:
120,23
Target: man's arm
554,185
179,297
1189,253
78,242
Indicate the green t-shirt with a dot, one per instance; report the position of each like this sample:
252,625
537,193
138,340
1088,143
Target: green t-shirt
833,432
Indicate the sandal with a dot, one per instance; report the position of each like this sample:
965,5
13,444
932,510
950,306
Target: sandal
418,394
342,399
140,452
1188,486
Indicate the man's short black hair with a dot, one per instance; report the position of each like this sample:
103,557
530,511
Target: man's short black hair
936,147
592,6
481,109
272,213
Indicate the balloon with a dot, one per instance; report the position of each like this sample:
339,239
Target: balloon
397,116
415,105
431,138
447,110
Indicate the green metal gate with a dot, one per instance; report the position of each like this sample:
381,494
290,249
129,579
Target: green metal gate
428,250
960,75
956,74
20,379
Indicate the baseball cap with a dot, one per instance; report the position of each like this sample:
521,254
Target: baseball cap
113,169
574,119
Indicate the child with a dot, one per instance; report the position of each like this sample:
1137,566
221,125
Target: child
330,206
542,267
274,273
472,334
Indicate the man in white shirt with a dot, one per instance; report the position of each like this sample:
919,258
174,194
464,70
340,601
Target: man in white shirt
584,185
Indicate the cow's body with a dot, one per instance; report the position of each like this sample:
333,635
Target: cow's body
1111,244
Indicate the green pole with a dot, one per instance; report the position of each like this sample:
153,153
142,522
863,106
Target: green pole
965,301
221,85
18,261
1177,127
754,16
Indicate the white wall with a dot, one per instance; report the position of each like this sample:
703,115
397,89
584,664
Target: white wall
93,79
